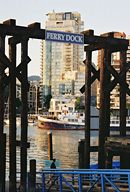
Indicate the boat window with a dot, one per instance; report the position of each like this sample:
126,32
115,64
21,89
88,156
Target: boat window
76,120
128,122
71,120
113,122
117,121
83,121
81,114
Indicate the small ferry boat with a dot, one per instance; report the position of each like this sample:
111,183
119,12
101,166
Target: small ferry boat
74,120
115,124
69,120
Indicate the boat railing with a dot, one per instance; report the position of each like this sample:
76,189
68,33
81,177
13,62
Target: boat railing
80,179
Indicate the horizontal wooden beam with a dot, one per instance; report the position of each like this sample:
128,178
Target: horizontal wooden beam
16,39
88,32
112,48
35,25
93,148
10,22
88,39
18,143
36,33
19,31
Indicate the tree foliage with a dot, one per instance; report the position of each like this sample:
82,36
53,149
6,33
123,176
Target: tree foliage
78,104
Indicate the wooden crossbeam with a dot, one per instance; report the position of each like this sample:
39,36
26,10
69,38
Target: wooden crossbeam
95,72
18,143
32,32
96,75
16,71
107,40
114,82
35,32
112,48
15,40
124,85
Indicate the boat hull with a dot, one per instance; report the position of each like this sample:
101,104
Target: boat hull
55,125
48,123
45,124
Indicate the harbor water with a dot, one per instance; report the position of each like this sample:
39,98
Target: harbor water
65,147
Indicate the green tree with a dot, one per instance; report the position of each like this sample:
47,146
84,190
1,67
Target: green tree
128,105
78,104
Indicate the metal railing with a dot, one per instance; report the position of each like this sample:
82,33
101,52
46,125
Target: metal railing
82,180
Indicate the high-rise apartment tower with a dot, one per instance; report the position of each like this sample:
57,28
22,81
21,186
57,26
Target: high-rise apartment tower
62,68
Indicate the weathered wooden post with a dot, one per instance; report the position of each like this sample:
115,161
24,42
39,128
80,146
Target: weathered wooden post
2,47
122,97
107,95
50,147
87,105
24,112
87,110
4,162
123,158
108,161
101,156
12,118
32,176
81,154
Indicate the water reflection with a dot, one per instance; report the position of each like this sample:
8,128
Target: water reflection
65,147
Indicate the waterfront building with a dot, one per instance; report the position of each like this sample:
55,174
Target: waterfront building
62,68
58,103
34,100
115,62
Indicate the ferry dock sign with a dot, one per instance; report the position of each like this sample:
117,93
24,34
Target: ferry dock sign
64,37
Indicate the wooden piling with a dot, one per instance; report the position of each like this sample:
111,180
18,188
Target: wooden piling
123,163
24,112
2,47
32,176
108,160
12,119
107,95
81,154
101,155
50,147
87,109
4,162
122,96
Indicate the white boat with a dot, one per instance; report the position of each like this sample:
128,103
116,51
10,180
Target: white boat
115,123
74,120
69,120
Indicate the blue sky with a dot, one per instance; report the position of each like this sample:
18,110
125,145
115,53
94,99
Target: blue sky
100,15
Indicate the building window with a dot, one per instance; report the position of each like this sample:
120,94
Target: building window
67,16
